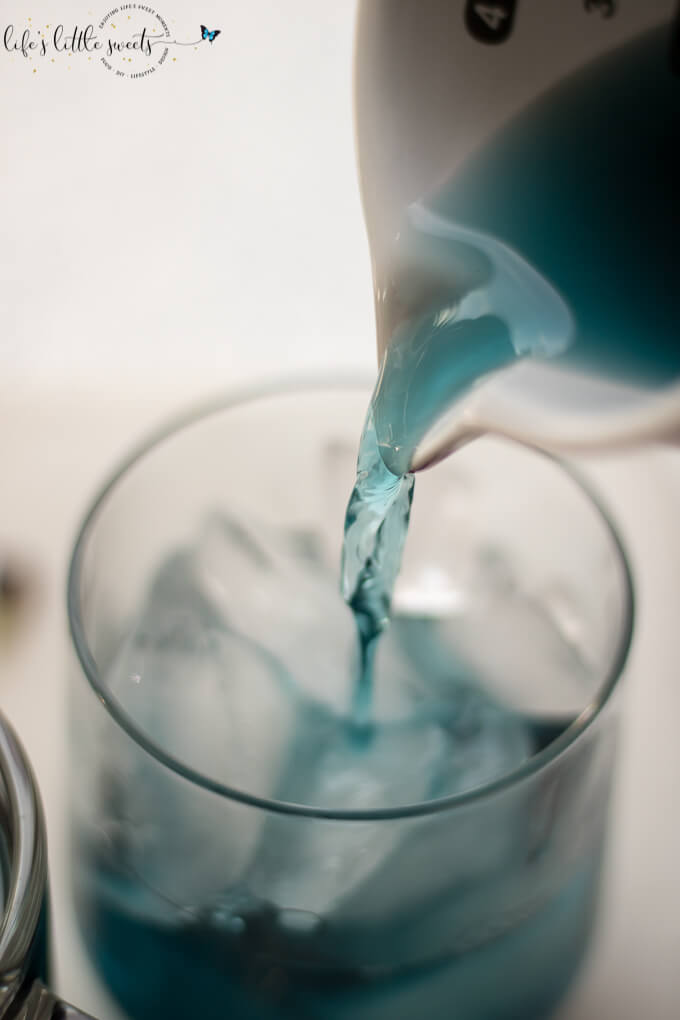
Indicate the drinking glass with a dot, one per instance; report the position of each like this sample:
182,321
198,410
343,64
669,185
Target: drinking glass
199,892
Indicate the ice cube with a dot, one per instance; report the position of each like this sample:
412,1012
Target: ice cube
207,695
272,585
310,864
439,855
351,868
217,703
516,648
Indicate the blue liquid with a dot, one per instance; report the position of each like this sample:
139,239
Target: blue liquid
263,976
376,524
254,960
483,910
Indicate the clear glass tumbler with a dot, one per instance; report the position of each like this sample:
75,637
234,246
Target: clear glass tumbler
200,892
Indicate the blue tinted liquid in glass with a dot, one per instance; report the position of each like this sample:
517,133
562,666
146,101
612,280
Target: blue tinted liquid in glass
211,964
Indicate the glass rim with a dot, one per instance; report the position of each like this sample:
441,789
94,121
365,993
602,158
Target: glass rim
287,387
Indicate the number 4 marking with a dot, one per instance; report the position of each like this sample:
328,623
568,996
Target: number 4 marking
491,15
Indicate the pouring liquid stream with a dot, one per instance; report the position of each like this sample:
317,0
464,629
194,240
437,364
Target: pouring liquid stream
484,308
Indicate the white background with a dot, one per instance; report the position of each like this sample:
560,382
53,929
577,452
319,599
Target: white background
167,238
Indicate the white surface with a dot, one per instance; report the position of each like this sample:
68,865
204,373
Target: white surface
189,227
164,238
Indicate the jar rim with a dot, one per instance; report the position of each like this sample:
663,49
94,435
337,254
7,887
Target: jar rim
27,865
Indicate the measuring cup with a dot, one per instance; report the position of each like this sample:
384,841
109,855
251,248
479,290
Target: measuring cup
518,169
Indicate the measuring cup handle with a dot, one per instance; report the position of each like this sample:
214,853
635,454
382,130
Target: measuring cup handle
42,1004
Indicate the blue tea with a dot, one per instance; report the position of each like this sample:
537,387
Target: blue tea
191,904
242,957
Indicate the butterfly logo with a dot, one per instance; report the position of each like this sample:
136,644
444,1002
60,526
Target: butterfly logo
207,34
